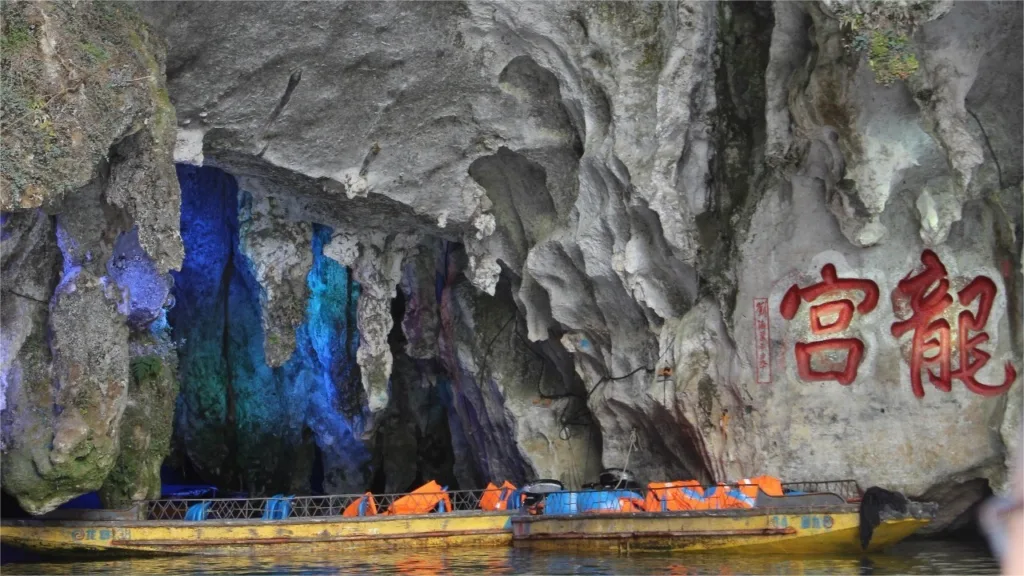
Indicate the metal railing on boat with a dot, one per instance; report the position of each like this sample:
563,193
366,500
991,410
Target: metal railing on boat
849,490
570,502
303,506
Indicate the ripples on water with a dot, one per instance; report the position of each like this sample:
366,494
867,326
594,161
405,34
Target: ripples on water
907,558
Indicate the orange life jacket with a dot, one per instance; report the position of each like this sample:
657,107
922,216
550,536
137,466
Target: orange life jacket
495,498
421,500
727,497
370,508
770,485
674,496
632,505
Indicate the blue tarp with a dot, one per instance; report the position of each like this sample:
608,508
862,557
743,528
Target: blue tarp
586,501
187,491
514,500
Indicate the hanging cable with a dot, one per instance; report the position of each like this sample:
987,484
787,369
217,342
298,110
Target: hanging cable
629,452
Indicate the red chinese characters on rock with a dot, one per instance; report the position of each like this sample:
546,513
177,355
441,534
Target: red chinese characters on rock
931,340
762,339
841,307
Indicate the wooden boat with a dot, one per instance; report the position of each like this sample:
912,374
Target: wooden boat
808,523
249,526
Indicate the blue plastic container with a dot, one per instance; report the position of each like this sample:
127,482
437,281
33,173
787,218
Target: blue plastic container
586,501
561,503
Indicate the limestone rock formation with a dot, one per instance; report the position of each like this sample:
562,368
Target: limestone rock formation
90,228
83,85
537,239
280,255
146,425
612,165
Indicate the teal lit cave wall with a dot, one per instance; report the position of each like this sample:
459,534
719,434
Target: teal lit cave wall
242,424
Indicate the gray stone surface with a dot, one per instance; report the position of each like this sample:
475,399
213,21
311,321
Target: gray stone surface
30,263
617,163
94,150
624,180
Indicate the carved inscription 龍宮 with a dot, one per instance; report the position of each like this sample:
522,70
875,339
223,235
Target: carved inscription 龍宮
945,333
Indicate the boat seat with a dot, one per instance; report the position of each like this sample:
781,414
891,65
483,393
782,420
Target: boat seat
279,507
197,512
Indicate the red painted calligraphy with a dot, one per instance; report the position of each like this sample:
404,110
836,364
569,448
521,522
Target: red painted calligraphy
830,317
762,338
929,296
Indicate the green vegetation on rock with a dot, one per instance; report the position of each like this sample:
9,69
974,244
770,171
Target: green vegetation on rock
890,57
638,24
886,42
15,35
146,426
65,101
97,52
146,369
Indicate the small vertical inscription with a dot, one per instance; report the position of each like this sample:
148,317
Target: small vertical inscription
762,342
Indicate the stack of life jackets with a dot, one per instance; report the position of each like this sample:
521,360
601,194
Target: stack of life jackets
690,495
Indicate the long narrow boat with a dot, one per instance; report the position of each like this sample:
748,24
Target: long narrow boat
258,526
797,523
800,523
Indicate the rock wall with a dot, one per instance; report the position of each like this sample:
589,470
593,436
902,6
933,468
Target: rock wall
706,240
90,229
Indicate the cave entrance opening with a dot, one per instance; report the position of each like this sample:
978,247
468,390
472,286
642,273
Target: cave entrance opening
241,424
412,444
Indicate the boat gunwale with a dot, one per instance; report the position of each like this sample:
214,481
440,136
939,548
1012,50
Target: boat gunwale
297,520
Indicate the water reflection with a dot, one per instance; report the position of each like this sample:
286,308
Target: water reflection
909,558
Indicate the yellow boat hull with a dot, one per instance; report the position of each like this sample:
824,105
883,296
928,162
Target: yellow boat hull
246,537
807,531
829,531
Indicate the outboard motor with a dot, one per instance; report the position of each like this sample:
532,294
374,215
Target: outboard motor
618,479
537,490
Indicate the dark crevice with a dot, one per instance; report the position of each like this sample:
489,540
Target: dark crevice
229,393
413,444
737,172
293,82
370,156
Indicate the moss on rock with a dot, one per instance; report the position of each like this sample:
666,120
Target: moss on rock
890,57
884,36
73,80
146,426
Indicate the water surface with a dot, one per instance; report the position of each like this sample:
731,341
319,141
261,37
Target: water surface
907,558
